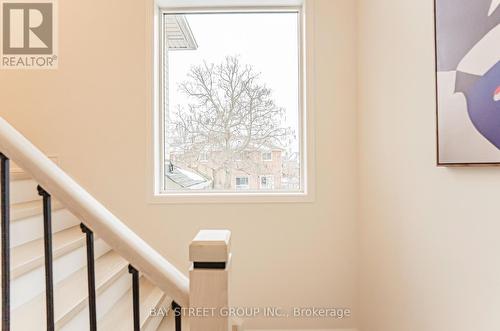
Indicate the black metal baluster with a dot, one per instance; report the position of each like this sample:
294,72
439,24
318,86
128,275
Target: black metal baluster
91,277
49,274
135,297
5,201
178,315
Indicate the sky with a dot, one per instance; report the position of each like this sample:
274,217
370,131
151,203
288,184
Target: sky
267,41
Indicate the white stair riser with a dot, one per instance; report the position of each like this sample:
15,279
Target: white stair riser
31,284
168,324
153,322
31,228
105,301
110,297
23,191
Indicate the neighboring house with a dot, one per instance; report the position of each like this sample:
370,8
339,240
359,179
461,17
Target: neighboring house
259,169
291,172
179,34
264,174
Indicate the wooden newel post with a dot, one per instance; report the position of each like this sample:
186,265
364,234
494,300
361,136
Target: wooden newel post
209,280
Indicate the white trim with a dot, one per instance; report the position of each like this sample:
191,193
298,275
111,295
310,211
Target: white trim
229,10
247,196
307,72
308,99
226,3
153,140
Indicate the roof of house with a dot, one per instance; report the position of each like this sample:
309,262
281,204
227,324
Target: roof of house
185,178
179,34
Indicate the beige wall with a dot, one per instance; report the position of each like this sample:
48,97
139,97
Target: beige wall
430,236
92,113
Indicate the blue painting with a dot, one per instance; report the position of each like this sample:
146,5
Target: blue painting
468,81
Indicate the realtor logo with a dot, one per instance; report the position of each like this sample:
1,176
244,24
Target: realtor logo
28,34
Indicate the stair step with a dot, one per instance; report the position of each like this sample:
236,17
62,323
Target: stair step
31,255
70,295
24,210
154,321
168,323
17,173
120,317
29,285
23,191
27,224
105,302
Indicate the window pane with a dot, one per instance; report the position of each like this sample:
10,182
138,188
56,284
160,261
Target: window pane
267,182
232,102
267,156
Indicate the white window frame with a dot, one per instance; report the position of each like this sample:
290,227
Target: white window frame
265,159
241,187
306,46
203,157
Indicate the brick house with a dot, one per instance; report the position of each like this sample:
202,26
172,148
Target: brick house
252,170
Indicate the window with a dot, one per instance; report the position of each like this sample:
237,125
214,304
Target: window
203,157
242,183
267,156
231,101
267,182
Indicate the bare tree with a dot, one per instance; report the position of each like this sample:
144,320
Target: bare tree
230,112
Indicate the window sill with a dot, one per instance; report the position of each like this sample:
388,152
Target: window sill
203,198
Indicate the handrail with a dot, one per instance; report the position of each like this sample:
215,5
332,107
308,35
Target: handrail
83,205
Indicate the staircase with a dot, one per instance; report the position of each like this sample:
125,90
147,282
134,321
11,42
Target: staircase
113,281
69,264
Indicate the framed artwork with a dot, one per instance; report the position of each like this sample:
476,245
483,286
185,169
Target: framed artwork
468,81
